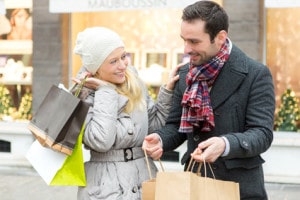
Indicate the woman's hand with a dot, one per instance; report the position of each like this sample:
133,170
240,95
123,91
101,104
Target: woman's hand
91,82
173,77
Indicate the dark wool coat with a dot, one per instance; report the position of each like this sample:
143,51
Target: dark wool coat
243,102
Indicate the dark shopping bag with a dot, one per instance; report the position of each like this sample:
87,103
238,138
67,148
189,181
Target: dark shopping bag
58,120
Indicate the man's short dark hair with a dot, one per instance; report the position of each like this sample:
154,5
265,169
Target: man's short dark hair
210,12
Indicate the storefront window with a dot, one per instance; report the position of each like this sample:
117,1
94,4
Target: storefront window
282,47
16,60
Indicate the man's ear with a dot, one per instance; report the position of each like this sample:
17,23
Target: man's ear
221,37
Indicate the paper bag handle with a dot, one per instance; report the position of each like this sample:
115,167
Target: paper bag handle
77,91
80,87
192,164
148,165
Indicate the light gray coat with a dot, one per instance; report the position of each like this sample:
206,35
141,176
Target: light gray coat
109,132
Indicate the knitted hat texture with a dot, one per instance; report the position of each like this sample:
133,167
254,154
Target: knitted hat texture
94,45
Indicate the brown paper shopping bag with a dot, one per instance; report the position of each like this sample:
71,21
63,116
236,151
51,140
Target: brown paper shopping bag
176,186
148,187
148,190
213,189
190,186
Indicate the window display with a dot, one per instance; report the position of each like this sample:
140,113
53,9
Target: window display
16,60
179,57
156,57
132,55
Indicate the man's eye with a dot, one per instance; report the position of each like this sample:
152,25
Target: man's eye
123,57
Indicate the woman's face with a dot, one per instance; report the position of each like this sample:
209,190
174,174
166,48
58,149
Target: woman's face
20,17
114,66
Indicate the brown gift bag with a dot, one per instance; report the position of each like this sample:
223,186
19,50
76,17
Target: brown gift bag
148,190
148,187
59,119
190,186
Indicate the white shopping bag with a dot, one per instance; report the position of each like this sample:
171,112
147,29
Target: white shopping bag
45,161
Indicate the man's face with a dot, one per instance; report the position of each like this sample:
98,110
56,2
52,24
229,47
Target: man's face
197,43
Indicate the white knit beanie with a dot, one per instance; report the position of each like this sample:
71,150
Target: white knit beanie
94,45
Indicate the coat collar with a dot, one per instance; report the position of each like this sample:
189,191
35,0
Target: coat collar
231,76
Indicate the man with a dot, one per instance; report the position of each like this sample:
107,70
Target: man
223,104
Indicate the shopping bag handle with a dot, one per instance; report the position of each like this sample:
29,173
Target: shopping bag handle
80,86
192,164
148,165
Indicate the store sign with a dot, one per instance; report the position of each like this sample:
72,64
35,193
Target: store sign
282,3
68,6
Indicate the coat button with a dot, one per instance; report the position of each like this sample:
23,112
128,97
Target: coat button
196,138
130,132
134,189
217,113
245,143
214,166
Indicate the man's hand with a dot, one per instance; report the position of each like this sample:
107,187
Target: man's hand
209,150
153,146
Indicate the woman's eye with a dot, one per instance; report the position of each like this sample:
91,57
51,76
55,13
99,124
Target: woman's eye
113,61
123,57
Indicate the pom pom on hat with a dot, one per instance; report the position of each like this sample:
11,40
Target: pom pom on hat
94,45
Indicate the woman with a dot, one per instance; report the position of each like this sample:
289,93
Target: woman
21,25
121,115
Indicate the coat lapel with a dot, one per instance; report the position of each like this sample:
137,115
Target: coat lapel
229,79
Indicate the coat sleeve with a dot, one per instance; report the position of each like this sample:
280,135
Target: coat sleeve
169,134
259,118
159,111
101,121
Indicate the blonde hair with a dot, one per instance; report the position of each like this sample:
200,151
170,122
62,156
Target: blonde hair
133,89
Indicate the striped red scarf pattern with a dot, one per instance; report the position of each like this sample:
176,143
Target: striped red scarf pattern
196,105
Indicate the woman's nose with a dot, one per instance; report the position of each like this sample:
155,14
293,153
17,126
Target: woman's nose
123,64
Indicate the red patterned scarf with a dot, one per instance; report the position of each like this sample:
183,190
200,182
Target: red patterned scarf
196,105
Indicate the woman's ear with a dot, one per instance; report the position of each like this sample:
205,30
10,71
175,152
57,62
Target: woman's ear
12,21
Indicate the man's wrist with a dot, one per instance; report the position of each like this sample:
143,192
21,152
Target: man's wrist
160,140
227,147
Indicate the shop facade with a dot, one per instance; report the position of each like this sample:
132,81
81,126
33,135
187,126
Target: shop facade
54,37
151,37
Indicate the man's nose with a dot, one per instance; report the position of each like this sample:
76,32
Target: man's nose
187,48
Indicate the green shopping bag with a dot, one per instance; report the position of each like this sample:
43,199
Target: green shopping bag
72,171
